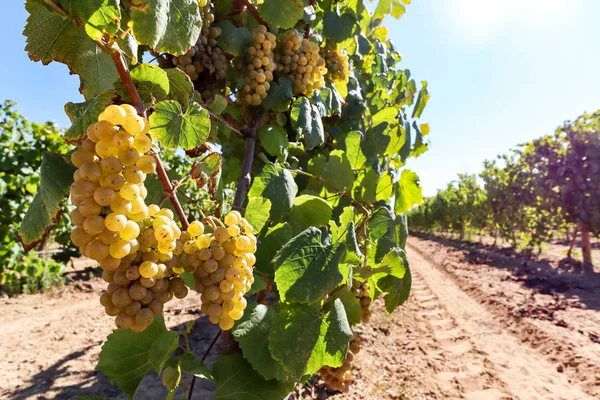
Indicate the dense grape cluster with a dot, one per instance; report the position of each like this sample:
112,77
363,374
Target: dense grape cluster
260,65
361,292
340,378
222,262
299,60
336,61
206,54
130,240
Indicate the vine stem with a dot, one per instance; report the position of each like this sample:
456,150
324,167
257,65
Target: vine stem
212,344
307,28
125,76
245,179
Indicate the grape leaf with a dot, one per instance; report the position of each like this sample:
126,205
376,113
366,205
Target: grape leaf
50,37
396,281
127,356
380,223
82,115
176,129
151,81
278,186
334,336
270,244
282,13
294,333
339,28
252,333
306,267
192,364
257,212
385,187
275,141
233,40
422,100
351,305
98,16
338,172
306,120
353,150
309,210
237,380
167,26
56,177
408,192
279,95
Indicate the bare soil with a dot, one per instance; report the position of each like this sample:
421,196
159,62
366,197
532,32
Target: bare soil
481,324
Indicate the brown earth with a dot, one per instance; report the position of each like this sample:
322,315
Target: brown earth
480,324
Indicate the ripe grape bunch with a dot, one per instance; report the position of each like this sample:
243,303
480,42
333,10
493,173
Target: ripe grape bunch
361,292
112,220
337,63
223,263
260,66
206,54
339,378
299,60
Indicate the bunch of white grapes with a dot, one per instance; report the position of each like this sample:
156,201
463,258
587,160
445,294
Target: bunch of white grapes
206,54
222,262
299,60
337,64
260,65
113,222
340,378
361,292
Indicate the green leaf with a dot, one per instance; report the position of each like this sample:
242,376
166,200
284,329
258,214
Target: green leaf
98,16
237,380
233,40
385,187
252,334
192,364
389,115
282,13
401,230
274,239
310,210
277,185
151,81
180,86
339,28
408,192
82,115
353,150
166,26
258,285
351,305
306,268
275,141
421,100
294,333
306,121
380,223
396,285
338,172
56,177
51,37
125,356
171,377
257,212
334,335
279,96
176,129
162,348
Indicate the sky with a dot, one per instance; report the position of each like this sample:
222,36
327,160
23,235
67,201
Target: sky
500,73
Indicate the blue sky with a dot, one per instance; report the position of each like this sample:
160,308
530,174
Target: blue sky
500,73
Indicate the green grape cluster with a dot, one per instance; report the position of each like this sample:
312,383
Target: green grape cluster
130,240
299,60
260,65
222,262
361,292
337,64
206,54
340,378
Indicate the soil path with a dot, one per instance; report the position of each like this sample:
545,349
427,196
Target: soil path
483,360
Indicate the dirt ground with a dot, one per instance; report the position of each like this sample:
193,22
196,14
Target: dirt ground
481,324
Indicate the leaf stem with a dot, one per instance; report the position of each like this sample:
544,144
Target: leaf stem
212,344
252,10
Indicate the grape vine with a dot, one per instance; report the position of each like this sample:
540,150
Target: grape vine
300,122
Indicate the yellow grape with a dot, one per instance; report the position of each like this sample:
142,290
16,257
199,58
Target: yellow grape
121,206
133,124
80,157
130,231
129,156
129,191
196,228
120,249
142,143
104,196
104,130
147,163
129,109
113,114
123,140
